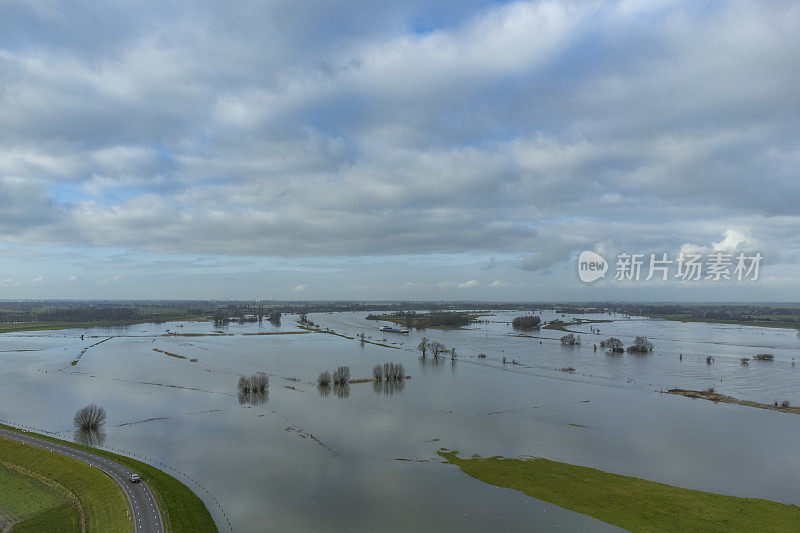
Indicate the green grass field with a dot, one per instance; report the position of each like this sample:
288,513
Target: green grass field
47,326
182,510
63,518
628,502
40,489
24,499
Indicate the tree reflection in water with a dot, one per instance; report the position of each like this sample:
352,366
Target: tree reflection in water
253,397
341,390
388,387
89,437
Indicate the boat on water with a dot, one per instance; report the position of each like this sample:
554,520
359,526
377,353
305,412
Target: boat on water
391,329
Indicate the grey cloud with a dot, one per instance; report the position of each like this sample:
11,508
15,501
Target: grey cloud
266,129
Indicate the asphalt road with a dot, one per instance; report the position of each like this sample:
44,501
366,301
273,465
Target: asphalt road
146,516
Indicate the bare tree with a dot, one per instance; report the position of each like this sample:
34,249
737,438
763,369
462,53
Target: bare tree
453,353
260,382
341,375
398,372
324,379
90,417
423,346
437,349
377,373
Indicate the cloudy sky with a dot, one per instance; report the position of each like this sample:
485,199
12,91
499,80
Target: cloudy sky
394,150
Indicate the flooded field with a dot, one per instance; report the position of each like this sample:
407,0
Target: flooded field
364,456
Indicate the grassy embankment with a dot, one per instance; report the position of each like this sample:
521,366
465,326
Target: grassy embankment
182,510
44,326
45,491
628,502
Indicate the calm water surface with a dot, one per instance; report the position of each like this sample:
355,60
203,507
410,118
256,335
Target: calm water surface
365,458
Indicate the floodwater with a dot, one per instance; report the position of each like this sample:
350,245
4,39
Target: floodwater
364,457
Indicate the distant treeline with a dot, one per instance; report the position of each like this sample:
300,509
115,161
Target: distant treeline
70,311
782,315
85,314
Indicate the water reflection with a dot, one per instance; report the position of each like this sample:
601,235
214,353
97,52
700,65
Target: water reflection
341,390
89,437
431,362
253,397
324,390
388,387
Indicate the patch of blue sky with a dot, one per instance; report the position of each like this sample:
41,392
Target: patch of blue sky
68,193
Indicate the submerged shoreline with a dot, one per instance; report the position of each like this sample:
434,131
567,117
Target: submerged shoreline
721,398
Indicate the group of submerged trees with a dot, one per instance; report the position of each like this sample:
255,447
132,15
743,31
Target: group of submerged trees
526,322
388,378
253,389
339,381
435,348
340,376
389,372
570,339
640,345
